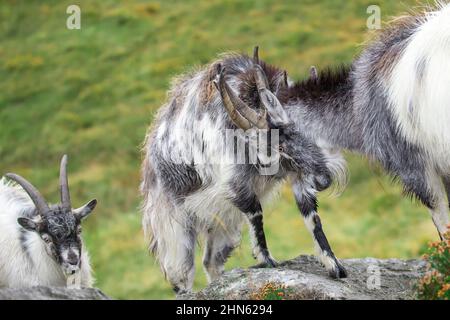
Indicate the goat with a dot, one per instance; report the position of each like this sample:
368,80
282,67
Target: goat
392,104
41,244
192,184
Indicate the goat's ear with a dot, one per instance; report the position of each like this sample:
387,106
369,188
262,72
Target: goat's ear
29,224
277,114
85,210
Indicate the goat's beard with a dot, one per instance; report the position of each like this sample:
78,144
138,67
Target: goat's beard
74,280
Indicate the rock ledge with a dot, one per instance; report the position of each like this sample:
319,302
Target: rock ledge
305,278
51,293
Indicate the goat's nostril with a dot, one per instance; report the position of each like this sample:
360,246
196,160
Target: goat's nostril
73,262
72,272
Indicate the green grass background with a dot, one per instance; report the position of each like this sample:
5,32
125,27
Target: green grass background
93,92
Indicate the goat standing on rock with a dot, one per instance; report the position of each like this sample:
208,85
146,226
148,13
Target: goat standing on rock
41,244
193,184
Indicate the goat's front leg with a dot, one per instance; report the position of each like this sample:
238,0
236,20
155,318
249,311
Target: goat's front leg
259,243
305,196
251,207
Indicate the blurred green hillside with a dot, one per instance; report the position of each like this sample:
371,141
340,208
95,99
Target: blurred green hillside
92,93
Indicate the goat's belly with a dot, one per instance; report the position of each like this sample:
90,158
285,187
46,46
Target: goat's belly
211,204
418,87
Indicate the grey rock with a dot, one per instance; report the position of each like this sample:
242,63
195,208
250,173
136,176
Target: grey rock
51,293
304,278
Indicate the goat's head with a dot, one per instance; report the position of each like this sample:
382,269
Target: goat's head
273,115
59,226
296,149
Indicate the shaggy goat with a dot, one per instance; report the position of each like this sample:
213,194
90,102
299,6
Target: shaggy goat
391,104
41,244
193,185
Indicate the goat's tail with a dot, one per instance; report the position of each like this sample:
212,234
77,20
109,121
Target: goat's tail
419,86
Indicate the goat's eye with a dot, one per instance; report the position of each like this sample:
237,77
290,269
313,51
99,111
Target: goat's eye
79,229
46,239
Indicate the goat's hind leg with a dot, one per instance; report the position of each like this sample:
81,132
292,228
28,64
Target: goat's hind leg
220,243
444,213
305,196
173,243
178,261
430,189
440,207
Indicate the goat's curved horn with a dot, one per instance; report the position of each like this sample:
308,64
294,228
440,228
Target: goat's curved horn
35,195
256,55
241,114
64,184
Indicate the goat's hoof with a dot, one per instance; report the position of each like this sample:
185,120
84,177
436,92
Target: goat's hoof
338,272
183,293
268,263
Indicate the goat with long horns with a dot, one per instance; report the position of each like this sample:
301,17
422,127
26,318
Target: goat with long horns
193,182
41,244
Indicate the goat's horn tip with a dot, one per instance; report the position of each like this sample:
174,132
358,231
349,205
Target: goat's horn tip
313,73
256,54
12,176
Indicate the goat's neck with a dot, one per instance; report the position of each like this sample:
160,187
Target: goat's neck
324,109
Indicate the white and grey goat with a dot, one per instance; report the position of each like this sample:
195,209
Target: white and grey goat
193,182
41,244
392,104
